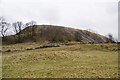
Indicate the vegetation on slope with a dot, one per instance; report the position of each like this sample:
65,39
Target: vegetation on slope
51,33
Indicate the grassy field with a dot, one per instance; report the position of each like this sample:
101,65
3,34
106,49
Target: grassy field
75,61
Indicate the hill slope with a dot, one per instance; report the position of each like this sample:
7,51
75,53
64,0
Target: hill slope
59,34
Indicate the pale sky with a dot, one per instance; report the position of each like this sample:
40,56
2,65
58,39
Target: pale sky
98,15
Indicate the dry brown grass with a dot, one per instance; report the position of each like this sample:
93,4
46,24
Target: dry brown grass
76,61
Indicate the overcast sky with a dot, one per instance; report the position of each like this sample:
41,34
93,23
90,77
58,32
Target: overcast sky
98,15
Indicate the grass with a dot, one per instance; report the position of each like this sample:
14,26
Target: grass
75,61
23,46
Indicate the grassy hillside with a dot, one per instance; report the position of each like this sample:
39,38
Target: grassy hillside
26,59
75,61
42,33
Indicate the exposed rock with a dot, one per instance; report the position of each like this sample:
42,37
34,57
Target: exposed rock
116,49
8,51
30,49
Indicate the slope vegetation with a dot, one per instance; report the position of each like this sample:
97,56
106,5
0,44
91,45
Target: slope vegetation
57,34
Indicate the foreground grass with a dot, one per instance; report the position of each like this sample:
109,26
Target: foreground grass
76,61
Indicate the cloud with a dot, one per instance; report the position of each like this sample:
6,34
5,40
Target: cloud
99,15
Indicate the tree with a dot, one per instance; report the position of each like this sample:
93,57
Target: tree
17,29
32,28
110,37
31,23
3,26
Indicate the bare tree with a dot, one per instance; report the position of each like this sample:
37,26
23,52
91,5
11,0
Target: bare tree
31,24
110,37
3,26
17,29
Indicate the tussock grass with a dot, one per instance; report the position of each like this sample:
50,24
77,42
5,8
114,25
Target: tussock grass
75,61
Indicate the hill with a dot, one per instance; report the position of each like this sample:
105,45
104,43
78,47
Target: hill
56,34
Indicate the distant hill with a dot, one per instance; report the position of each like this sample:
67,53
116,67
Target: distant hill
57,34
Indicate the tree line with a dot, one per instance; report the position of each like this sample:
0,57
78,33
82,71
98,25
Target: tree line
15,27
